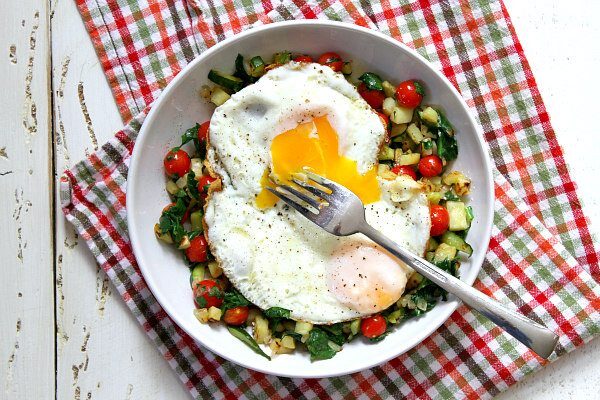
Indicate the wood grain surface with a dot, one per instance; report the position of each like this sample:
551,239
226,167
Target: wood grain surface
64,332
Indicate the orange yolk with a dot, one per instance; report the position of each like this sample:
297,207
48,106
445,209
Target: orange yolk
314,144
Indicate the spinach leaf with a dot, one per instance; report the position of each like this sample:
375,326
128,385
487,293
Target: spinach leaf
335,333
443,123
277,313
371,80
233,299
318,345
191,135
192,185
419,88
447,146
247,339
170,220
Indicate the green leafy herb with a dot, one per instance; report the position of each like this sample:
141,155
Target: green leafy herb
232,299
215,291
371,80
277,312
192,185
201,302
379,338
241,334
447,146
335,333
191,135
450,196
419,88
170,220
444,124
318,345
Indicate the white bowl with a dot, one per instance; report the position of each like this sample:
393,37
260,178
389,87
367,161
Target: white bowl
180,107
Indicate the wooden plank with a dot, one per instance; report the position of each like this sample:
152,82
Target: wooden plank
101,350
26,289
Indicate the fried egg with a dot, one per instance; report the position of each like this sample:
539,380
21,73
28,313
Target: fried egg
295,116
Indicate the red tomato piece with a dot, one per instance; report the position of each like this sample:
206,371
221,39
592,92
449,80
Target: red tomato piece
208,293
303,58
203,130
385,120
204,182
198,250
177,163
332,60
373,326
375,98
440,219
405,170
409,93
430,166
236,316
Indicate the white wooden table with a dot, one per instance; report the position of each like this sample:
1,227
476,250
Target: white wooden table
64,333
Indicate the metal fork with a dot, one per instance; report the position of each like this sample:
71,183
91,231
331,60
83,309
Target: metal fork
340,212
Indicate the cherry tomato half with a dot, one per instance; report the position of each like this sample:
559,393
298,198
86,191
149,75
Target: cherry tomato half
177,163
409,93
198,250
303,58
405,170
373,326
375,98
203,130
332,60
208,293
440,219
204,182
236,316
430,166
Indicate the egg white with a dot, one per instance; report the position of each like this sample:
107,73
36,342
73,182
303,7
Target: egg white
275,257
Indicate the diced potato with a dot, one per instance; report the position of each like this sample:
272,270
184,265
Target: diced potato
252,313
388,89
262,334
205,92
444,252
201,315
459,182
398,129
429,116
172,187
214,269
434,197
303,327
415,133
196,166
385,172
388,105
458,215
386,153
219,96
165,237
214,313
401,115
289,342
413,280
304,338
182,182
184,243
407,159
277,347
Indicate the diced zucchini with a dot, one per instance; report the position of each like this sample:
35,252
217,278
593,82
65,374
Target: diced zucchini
398,129
434,197
197,273
386,153
415,133
407,159
182,182
172,187
347,68
257,67
388,105
444,252
401,115
355,326
429,116
214,313
196,166
219,96
282,57
432,244
214,269
196,220
165,237
456,241
458,215
388,89
413,280
429,256
229,82
396,316
303,327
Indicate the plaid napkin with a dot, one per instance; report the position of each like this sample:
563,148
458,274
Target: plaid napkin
541,256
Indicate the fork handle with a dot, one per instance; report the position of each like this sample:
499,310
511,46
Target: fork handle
533,335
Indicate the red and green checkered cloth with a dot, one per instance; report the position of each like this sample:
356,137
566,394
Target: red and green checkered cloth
541,258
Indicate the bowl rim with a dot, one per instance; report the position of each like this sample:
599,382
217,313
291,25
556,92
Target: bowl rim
153,114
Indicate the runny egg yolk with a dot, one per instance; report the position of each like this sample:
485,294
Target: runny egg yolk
314,144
